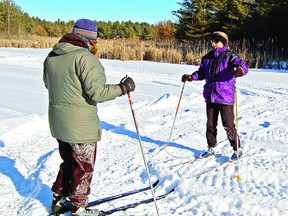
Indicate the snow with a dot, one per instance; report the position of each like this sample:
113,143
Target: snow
29,156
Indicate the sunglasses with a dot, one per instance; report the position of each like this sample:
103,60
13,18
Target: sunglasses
216,38
215,41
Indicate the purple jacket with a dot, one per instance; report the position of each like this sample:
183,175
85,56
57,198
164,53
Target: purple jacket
218,71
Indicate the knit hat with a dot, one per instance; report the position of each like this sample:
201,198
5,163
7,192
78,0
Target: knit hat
220,36
86,28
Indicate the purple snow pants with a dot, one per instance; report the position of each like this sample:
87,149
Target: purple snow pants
227,117
76,171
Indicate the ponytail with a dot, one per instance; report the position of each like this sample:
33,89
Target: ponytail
94,46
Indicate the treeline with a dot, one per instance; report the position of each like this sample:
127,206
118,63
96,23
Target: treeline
14,21
256,28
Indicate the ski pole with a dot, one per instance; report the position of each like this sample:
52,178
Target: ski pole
238,177
175,115
142,151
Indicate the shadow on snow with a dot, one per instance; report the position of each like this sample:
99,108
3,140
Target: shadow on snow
123,131
31,187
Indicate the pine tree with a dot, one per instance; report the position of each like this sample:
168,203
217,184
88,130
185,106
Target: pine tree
233,17
197,18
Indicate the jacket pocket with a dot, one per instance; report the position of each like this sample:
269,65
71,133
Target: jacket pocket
225,93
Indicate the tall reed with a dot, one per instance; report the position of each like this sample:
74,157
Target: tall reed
256,54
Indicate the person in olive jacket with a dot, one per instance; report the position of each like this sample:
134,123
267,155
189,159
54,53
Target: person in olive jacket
76,82
219,68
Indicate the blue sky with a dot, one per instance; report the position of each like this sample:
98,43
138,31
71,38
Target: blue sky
150,11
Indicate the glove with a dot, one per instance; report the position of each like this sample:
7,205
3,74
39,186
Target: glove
187,77
238,71
127,85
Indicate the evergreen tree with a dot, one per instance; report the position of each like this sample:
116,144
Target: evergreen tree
233,17
9,17
197,18
128,30
185,19
146,31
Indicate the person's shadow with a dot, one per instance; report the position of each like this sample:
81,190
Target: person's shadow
123,131
30,188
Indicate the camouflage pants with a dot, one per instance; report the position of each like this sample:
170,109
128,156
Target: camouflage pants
227,117
76,171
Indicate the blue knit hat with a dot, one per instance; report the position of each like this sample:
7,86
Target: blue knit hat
86,28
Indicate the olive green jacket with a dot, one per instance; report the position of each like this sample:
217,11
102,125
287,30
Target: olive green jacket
76,82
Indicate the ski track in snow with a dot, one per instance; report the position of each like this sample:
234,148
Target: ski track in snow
29,155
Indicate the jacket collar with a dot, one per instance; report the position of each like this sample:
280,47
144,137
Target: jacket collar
76,39
219,50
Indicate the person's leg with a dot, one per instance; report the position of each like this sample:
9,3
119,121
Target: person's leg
61,186
84,156
227,116
212,112
63,180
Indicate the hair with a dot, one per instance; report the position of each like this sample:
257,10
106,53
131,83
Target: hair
94,46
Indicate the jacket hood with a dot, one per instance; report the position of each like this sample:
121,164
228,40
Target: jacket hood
63,48
71,42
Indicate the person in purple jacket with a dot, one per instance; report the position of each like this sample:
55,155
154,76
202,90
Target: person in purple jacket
220,67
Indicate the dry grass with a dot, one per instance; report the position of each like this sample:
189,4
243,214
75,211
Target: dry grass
28,42
139,50
122,49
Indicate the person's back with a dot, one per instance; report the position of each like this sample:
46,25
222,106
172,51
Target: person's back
76,82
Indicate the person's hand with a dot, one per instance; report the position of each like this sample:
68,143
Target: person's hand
187,77
238,71
127,85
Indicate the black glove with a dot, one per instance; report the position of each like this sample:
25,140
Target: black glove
238,71
127,85
187,77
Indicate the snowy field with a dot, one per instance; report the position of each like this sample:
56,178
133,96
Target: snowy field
29,157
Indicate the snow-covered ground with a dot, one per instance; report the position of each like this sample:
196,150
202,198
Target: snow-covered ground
29,157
